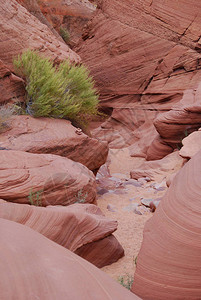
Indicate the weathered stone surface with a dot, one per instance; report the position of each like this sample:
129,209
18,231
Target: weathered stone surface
11,86
33,7
81,228
143,55
44,179
41,269
191,144
102,252
72,15
15,19
175,124
161,168
54,136
169,263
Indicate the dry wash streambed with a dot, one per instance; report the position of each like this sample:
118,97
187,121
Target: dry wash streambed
119,198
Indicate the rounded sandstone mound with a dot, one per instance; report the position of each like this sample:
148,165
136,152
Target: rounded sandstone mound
44,179
54,136
41,269
81,228
169,262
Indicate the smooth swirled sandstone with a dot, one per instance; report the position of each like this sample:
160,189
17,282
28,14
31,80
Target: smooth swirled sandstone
81,228
36,268
44,179
54,136
169,261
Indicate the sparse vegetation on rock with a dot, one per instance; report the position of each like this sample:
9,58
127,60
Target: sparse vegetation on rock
66,91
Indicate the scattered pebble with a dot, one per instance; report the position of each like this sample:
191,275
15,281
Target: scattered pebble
146,202
111,208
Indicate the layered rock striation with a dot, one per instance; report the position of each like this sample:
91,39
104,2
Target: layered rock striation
169,264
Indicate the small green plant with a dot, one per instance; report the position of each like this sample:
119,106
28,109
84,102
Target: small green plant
34,198
64,33
126,281
64,92
81,198
5,113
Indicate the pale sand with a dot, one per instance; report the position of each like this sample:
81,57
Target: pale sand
130,225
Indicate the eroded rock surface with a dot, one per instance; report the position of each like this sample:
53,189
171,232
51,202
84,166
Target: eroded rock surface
191,144
161,168
15,20
11,86
143,55
169,264
175,124
70,15
44,179
81,228
54,136
35,260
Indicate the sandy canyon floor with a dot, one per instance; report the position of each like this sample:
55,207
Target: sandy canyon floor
118,199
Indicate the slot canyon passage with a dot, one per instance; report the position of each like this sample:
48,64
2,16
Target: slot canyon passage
100,149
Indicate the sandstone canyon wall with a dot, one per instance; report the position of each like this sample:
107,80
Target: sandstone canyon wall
143,56
169,262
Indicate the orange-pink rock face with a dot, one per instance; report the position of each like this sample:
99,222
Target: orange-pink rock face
191,144
21,30
143,55
169,262
11,86
81,228
36,268
71,15
44,179
174,125
54,136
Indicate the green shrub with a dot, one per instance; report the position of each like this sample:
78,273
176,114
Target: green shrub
64,33
126,281
63,92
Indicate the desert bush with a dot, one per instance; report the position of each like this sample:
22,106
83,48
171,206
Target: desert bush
126,281
5,113
64,33
66,91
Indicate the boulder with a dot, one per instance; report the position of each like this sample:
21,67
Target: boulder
102,252
44,179
191,144
169,263
81,228
54,136
159,169
37,268
143,56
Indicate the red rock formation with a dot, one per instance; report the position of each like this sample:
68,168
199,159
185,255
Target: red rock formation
33,7
81,228
54,136
102,252
11,86
143,55
169,263
175,124
191,144
71,15
16,20
44,179
161,168
36,268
